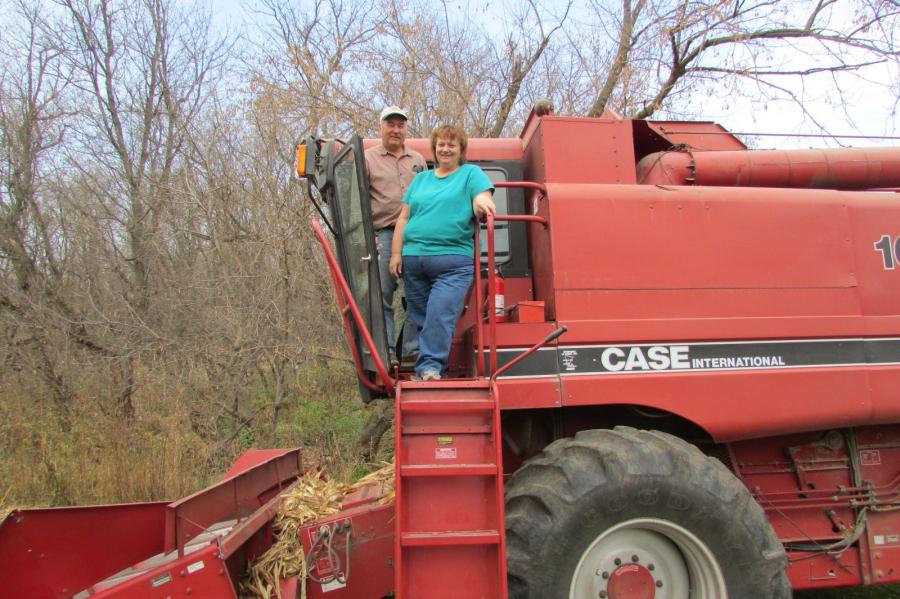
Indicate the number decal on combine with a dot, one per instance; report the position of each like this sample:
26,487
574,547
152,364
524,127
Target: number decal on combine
890,251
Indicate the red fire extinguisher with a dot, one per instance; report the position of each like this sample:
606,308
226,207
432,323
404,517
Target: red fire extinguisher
499,297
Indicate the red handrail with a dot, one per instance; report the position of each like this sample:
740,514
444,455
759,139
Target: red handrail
523,184
551,337
492,284
501,501
492,293
357,359
479,331
492,280
341,286
532,218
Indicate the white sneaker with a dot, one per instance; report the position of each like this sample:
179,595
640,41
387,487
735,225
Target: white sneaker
427,375
431,375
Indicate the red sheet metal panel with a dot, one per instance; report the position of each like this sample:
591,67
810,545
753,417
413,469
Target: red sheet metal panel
198,574
234,497
874,219
698,135
696,328
581,150
540,254
530,393
729,405
57,552
473,575
718,304
883,384
371,574
252,458
824,571
245,530
642,237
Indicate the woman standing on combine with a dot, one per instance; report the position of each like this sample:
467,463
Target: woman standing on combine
435,236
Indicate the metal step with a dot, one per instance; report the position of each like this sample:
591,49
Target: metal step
447,405
449,470
456,537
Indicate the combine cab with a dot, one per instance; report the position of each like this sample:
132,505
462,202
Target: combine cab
694,391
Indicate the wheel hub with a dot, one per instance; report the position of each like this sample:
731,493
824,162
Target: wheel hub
647,558
631,581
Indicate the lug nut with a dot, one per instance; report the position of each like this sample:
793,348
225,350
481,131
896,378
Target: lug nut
605,575
603,594
635,559
658,583
651,567
617,562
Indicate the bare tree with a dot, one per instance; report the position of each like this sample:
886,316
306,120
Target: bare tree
521,55
432,60
310,59
686,45
145,72
31,272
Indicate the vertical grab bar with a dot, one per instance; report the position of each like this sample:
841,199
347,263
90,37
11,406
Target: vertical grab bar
492,294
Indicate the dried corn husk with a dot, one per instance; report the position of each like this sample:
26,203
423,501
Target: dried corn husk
312,499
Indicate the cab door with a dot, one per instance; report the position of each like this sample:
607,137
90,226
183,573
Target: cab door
346,191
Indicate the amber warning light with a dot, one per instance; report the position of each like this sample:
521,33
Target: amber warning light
301,160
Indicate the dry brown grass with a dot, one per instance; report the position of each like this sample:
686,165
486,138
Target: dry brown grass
171,448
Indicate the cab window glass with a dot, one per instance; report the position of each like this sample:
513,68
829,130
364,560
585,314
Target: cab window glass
501,228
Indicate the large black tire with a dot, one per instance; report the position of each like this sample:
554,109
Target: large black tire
643,497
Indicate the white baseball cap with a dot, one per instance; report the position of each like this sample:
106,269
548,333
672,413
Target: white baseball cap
393,111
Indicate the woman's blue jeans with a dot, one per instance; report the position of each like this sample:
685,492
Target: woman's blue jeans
436,288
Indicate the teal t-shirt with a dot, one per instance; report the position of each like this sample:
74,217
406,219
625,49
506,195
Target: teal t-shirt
440,212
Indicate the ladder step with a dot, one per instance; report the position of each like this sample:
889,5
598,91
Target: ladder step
447,405
456,537
445,429
449,470
456,385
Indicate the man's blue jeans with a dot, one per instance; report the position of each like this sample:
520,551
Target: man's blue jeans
388,287
436,288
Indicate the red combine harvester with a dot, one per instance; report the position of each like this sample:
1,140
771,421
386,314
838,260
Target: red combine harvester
694,393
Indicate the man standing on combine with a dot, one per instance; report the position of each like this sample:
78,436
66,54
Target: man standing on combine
391,167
